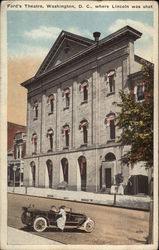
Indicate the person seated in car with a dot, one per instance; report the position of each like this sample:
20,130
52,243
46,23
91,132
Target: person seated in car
62,220
54,209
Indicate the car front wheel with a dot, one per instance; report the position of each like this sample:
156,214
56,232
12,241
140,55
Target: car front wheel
89,226
40,224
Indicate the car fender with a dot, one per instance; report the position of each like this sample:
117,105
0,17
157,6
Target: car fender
82,226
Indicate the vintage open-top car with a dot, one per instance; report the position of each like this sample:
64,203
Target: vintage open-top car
41,219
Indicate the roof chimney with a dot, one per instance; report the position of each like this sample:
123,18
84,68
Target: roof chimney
96,36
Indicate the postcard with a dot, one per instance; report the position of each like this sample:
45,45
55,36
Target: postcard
79,125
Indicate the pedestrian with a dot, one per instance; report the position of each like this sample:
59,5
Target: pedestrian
62,220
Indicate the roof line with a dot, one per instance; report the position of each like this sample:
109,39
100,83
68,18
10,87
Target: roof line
140,59
63,34
107,39
16,124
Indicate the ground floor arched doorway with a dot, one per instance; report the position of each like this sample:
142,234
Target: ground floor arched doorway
108,171
50,172
33,173
83,172
64,163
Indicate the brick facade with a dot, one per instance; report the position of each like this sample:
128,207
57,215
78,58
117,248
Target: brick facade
62,75
16,153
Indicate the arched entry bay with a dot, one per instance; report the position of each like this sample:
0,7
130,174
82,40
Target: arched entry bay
82,164
49,173
108,171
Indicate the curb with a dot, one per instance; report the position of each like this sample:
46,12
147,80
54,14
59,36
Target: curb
89,201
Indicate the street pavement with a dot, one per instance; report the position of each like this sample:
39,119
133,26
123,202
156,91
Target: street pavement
112,225
19,237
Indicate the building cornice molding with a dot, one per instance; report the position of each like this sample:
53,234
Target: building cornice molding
98,61
125,33
80,149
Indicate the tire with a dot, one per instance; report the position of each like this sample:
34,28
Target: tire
89,226
40,224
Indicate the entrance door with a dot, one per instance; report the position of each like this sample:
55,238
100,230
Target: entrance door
108,177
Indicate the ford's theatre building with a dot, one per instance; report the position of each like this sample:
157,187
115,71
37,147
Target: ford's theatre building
71,130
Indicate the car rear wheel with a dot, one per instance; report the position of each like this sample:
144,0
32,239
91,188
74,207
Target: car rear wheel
89,226
40,224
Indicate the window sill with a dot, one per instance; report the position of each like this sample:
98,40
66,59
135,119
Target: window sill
83,145
35,118
50,113
110,140
140,100
86,101
111,93
66,108
50,150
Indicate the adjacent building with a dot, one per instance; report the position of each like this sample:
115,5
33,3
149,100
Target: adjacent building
16,153
71,132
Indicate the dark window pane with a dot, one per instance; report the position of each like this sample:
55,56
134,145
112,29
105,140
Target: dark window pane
67,138
51,142
112,84
140,93
52,105
36,112
85,91
85,134
67,100
112,129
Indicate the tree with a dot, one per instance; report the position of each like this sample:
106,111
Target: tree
136,122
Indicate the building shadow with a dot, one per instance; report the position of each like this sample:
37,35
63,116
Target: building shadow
53,229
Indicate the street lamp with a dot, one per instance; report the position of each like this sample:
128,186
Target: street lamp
14,170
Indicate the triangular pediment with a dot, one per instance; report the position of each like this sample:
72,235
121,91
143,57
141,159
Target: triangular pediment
65,47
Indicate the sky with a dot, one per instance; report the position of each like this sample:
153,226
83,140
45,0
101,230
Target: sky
31,34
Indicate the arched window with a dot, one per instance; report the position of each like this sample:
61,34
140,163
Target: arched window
66,95
110,157
111,81
84,88
110,122
84,127
65,132
50,134
83,171
51,103
35,107
50,172
34,142
33,169
64,163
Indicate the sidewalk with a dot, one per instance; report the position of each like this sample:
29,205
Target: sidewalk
19,237
126,201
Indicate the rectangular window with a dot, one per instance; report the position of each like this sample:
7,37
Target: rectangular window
85,134
67,138
112,130
67,100
85,93
140,93
111,84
